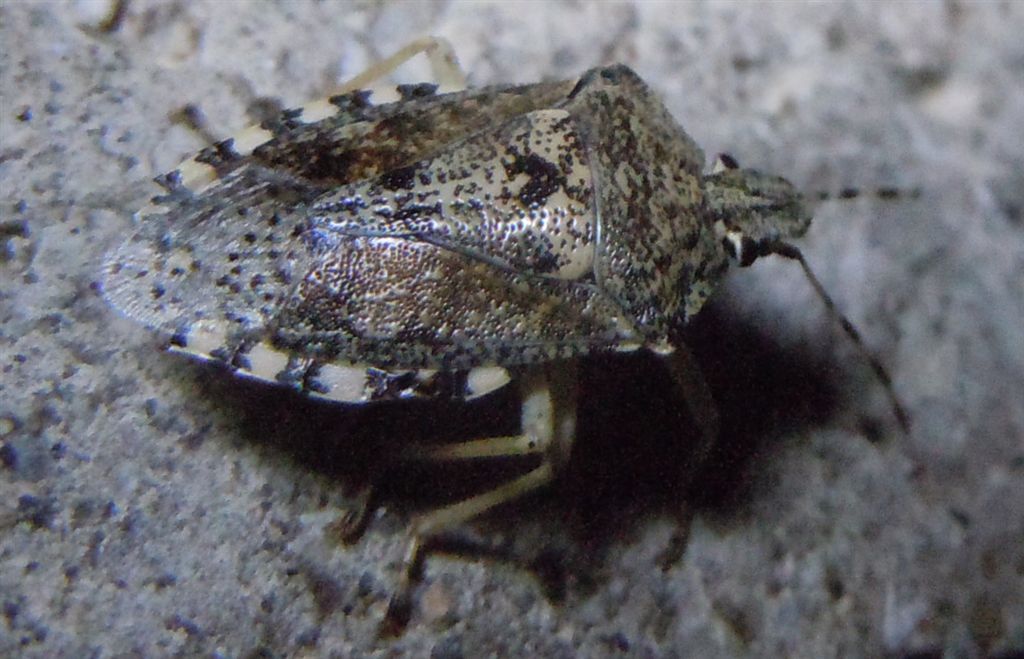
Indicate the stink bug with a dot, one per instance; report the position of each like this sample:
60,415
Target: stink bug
443,243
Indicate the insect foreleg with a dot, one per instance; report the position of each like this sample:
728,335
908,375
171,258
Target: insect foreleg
695,393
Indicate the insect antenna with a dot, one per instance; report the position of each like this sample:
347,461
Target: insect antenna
885,193
790,251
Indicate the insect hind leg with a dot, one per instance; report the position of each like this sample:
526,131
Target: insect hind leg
443,63
548,425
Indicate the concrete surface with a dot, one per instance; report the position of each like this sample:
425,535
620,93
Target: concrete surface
153,507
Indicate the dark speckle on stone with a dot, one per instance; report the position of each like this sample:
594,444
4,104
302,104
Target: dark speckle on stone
618,642
130,522
872,429
45,417
11,610
985,621
449,647
365,585
194,440
8,456
178,622
15,228
82,512
326,591
38,512
834,584
94,552
308,638
261,652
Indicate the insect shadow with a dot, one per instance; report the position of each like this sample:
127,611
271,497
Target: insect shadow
632,461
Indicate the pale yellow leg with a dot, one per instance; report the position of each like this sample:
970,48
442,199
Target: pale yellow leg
490,447
352,524
549,425
443,62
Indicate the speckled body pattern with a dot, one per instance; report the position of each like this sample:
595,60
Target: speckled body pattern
425,241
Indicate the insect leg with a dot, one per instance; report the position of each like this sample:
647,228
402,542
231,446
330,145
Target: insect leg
694,391
548,423
491,447
549,426
353,523
443,62
444,65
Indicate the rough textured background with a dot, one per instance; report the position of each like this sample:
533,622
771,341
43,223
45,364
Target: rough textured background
153,507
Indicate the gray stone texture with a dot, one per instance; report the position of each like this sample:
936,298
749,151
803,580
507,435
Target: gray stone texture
151,506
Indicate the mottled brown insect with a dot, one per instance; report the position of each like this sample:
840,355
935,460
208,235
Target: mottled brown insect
440,244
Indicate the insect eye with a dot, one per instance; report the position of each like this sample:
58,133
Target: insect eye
724,162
